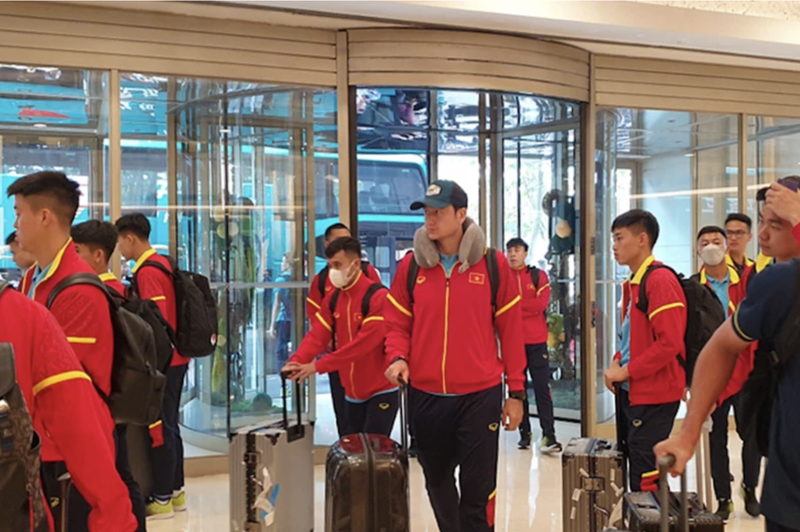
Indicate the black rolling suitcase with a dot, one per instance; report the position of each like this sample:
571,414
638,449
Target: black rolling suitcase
366,486
666,512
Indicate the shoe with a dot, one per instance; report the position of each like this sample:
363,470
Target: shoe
524,442
751,504
550,445
179,501
157,510
725,509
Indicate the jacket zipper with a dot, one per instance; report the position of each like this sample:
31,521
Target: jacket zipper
446,323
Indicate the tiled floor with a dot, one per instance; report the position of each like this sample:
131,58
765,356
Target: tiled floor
529,495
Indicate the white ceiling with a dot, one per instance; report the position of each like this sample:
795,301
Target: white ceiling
770,34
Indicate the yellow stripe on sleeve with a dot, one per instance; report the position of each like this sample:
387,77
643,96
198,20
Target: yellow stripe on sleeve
61,377
373,318
508,307
400,307
665,307
323,322
81,340
313,303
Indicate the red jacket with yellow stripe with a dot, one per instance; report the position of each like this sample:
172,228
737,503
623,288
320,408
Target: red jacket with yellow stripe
111,281
359,355
66,409
448,336
84,316
656,375
157,286
744,365
534,303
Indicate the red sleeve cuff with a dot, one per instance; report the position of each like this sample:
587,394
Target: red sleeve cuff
796,233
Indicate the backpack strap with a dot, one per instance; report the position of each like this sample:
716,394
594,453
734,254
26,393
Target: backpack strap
332,306
643,303
82,279
411,280
322,280
8,372
3,286
534,271
364,267
494,274
374,287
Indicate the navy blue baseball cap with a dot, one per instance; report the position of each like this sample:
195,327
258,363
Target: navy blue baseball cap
441,194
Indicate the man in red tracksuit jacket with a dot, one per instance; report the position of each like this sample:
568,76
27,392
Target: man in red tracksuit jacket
65,408
535,299
45,204
444,342
726,283
166,453
315,302
358,352
95,242
652,350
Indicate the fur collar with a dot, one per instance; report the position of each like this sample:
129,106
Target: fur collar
471,251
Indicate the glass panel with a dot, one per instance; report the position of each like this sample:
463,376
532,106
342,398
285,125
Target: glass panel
243,153
772,153
52,119
680,166
541,207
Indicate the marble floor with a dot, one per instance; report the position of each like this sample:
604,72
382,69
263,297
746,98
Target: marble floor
529,495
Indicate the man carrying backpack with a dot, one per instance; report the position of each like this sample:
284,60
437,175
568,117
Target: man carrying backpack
153,282
450,301
318,294
66,411
45,204
534,286
769,315
648,364
726,283
352,322
95,242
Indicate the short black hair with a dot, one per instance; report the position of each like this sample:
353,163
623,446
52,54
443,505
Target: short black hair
62,194
791,182
136,223
338,225
348,244
739,217
11,238
711,229
96,234
641,220
517,242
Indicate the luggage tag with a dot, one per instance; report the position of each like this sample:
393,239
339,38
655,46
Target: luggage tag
266,499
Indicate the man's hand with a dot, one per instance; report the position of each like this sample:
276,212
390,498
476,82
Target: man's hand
785,202
681,446
614,374
271,333
512,414
300,372
398,368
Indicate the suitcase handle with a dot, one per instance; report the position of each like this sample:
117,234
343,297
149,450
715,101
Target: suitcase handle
622,443
403,391
664,465
299,431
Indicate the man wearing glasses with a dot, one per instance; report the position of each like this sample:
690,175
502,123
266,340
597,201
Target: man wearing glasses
739,230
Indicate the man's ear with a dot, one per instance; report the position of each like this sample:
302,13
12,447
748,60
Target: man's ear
461,215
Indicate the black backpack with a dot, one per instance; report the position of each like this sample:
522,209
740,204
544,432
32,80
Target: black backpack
364,306
772,359
196,331
534,271
137,387
704,315
322,279
150,313
23,506
491,266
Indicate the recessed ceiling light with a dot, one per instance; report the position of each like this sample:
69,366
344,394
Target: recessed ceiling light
39,124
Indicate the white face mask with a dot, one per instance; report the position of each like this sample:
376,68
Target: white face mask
712,254
341,278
